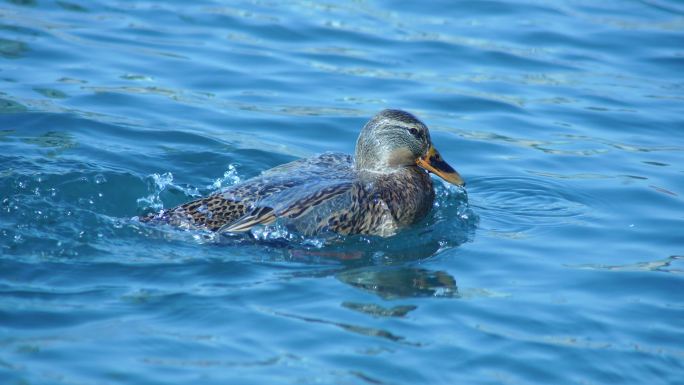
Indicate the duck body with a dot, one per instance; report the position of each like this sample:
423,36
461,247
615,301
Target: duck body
313,196
383,189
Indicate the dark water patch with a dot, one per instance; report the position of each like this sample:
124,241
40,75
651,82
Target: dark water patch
51,93
10,106
5,134
53,139
12,49
20,30
26,3
673,62
74,7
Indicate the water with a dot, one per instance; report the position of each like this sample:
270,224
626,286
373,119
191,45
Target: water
563,265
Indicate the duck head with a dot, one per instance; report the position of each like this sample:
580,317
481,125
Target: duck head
394,139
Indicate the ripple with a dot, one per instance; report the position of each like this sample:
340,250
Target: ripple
516,205
363,330
667,265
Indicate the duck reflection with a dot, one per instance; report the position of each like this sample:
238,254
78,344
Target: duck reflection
379,311
384,268
402,282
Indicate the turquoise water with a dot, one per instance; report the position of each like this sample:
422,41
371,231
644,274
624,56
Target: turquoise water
562,265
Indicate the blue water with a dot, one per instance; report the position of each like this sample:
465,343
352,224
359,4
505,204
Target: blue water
562,265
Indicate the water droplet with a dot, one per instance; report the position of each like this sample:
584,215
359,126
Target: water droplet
230,178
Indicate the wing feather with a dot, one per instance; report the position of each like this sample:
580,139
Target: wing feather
287,191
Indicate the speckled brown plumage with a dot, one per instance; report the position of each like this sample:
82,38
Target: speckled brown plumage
379,194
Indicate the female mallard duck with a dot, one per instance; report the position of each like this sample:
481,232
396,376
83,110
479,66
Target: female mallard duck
384,188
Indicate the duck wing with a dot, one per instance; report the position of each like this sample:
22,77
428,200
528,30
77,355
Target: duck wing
291,204
287,191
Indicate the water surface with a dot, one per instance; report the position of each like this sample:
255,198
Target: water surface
563,264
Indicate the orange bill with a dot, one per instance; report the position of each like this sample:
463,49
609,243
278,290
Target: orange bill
433,162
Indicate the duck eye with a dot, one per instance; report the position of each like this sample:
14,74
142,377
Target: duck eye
414,132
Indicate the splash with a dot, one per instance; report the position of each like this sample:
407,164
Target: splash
230,178
158,184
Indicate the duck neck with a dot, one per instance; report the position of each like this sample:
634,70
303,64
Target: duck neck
381,160
373,164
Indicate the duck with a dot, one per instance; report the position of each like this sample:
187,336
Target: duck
385,187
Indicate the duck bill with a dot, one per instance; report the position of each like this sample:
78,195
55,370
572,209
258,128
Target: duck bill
433,162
